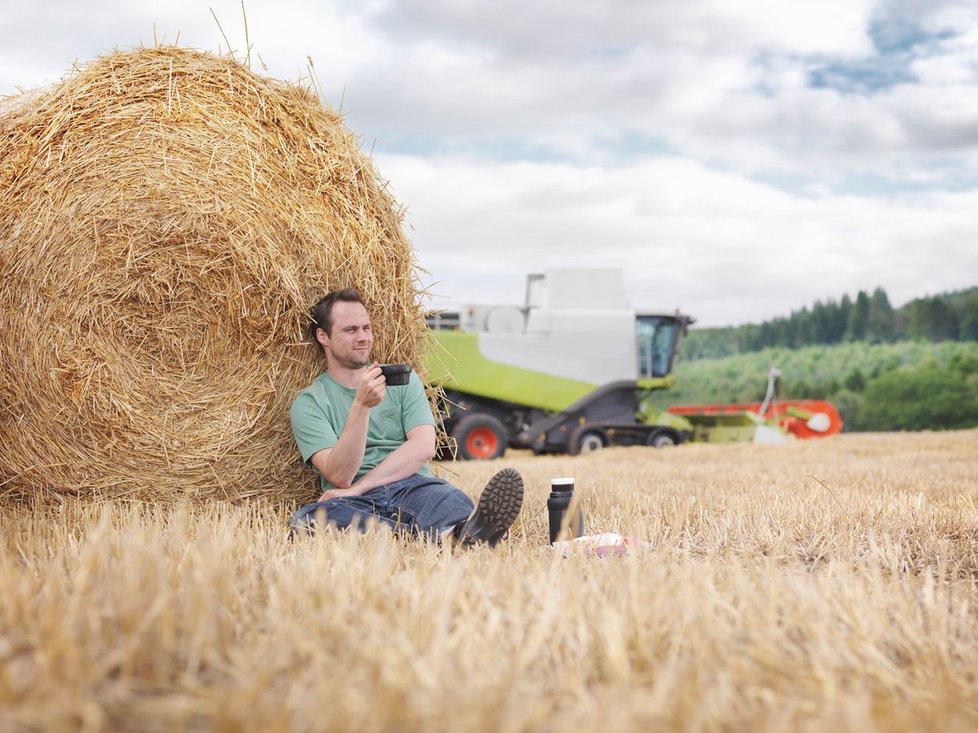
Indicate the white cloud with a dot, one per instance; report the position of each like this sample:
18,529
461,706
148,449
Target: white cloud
720,246
570,27
524,134
836,27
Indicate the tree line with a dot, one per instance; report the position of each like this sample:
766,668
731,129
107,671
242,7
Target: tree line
907,385
868,318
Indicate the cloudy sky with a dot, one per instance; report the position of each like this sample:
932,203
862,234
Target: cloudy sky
738,159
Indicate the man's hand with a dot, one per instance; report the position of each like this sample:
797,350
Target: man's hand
372,387
338,493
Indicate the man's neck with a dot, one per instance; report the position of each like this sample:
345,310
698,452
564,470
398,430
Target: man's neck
344,375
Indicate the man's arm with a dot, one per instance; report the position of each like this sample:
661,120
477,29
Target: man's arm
406,460
339,464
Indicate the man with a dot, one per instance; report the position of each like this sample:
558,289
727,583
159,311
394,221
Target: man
371,444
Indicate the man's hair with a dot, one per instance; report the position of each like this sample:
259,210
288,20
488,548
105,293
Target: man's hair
322,312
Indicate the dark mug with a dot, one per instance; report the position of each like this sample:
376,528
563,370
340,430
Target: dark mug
396,374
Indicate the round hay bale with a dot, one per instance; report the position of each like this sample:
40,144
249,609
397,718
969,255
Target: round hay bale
167,217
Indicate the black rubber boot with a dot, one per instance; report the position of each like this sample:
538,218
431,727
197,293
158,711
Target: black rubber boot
497,509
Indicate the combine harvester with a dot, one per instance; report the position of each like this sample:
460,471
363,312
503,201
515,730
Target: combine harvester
570,371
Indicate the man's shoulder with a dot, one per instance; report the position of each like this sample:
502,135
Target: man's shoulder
307,390
409,392
312,393
413,402
412,384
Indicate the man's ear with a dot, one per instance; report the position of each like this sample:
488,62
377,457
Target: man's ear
321,337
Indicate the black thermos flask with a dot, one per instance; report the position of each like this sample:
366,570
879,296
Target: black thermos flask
561,493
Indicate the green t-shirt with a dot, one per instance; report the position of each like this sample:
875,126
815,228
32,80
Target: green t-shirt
319,414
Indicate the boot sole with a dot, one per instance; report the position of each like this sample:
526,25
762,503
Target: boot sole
499,506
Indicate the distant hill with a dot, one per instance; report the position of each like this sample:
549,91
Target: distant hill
868,318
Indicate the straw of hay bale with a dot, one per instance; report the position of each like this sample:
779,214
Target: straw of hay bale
167,217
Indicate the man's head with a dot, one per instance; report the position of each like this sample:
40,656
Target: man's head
341,325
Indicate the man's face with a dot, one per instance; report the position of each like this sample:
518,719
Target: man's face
351,339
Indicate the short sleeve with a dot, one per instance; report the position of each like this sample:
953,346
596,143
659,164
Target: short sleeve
311,427
415,409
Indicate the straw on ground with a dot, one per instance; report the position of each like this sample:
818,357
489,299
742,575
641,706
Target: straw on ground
762,604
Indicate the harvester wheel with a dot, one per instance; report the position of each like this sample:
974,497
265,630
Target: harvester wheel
480,437
585,439
661,440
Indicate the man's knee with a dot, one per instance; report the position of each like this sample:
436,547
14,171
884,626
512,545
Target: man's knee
339,513
304,519
319,514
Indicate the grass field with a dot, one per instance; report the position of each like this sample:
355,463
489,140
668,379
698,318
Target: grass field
820,585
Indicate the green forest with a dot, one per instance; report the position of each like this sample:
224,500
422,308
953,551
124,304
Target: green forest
911,368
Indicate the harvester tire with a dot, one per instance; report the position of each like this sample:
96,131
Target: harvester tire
480,437
662,440
585,439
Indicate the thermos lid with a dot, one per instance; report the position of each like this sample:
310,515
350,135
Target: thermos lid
562,483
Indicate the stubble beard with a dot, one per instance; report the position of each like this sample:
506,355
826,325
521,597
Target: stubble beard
352,361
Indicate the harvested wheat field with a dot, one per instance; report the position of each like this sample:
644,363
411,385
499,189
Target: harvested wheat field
820,585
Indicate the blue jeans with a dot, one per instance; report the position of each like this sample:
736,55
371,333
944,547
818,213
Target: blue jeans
417,505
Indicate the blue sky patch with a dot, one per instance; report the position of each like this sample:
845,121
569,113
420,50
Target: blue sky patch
898,44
